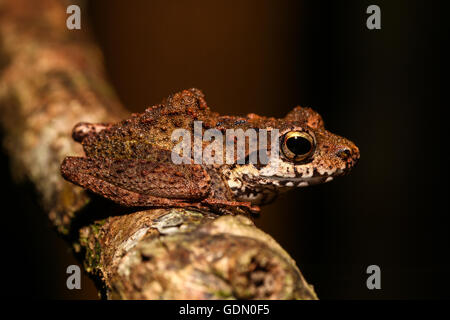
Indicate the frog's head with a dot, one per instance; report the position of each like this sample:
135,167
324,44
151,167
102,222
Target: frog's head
308,155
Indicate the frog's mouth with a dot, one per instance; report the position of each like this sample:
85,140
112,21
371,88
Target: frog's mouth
303,181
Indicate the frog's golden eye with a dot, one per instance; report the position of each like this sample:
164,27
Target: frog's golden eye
297,145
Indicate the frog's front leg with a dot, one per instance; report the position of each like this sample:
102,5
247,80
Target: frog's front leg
247,206
84,129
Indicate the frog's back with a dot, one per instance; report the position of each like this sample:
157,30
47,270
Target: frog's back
145,135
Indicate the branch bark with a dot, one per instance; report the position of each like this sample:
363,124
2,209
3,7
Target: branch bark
52,78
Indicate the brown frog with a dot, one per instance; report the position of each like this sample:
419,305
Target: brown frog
131,162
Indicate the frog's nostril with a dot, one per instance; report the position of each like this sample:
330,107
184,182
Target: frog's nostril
344,153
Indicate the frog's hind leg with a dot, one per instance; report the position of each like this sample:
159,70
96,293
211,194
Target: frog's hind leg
132,182
84,129
122,196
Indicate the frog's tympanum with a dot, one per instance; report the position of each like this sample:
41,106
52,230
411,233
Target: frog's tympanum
130,162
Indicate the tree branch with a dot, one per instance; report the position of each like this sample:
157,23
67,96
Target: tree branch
52,78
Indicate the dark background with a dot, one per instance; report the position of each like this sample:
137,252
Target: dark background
383,89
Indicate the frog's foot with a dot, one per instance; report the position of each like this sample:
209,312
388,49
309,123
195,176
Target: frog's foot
84,129
232,204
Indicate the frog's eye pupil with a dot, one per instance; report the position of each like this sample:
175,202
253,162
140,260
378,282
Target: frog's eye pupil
298,145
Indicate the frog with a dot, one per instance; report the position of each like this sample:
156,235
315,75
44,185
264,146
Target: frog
131,162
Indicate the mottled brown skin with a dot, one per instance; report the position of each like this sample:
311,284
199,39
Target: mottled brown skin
130,162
